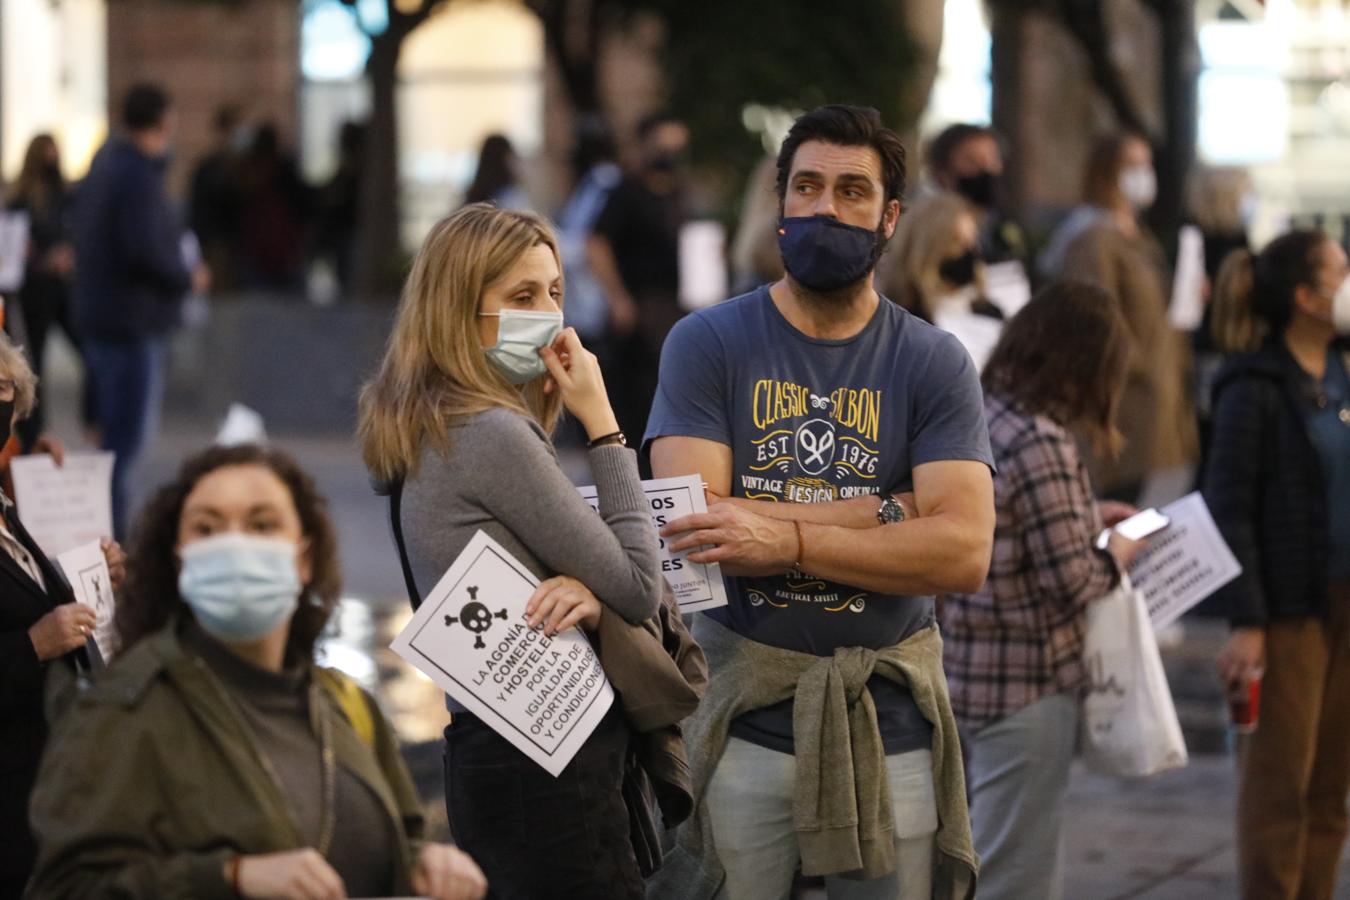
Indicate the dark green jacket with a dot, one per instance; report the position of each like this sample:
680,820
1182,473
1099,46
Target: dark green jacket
150,783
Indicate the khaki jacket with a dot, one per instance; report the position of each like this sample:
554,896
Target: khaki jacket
150,783
842,811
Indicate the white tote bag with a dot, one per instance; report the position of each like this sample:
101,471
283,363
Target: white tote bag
1129,725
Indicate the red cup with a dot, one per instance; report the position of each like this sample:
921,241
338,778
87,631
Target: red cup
1244,705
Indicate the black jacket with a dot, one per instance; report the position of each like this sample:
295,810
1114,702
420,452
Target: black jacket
1264,485
23,682
130,279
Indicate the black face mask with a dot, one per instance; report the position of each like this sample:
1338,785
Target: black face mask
823,254
664,163
6,420
959,271
980,188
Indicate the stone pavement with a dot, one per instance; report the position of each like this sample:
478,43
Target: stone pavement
1165,838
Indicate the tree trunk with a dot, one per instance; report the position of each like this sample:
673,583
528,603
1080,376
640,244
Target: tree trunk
1175,154
1006,44
380,248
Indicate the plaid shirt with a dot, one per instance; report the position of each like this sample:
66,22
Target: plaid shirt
1020,637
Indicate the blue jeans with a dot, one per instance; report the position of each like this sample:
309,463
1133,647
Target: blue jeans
128,379
750,802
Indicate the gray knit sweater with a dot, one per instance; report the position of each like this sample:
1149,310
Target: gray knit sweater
501,475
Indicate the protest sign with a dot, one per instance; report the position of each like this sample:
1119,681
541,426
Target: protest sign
696,586
64,507
87,571
1187,309
1007,287
1184,563
13,249
543,694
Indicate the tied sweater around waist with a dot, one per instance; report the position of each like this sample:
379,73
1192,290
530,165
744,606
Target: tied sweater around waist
842,808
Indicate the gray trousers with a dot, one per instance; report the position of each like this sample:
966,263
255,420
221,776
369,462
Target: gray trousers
750,806
1018,778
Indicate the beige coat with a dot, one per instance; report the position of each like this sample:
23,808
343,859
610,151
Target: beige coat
1157,416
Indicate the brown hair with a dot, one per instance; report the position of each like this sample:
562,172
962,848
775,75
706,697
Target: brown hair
1065,356
434,370
1254,294
149,598
33,189
1101,178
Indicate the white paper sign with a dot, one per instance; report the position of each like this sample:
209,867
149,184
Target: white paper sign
697,586
978,334
1187,308
703,264
544,695
66,507
87,571
242,425
13,249
1184,563
1007,287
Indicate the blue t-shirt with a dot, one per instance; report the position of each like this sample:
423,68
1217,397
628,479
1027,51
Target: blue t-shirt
811,421
1329,428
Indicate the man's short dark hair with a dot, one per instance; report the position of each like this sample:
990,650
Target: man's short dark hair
144,107
942,149
846,126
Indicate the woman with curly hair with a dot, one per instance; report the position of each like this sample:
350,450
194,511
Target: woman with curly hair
215,759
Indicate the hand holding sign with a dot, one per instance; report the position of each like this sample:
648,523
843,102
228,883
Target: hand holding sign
543,693
561,603
697,586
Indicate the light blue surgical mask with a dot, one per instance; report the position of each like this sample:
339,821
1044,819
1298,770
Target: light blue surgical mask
240,587
520,336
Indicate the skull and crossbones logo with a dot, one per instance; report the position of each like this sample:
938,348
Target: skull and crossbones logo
476,618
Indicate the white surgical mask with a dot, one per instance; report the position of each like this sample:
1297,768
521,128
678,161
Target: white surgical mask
239,587
1340,308
521,334
1139,186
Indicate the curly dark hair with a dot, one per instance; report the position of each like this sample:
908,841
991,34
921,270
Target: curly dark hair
149,597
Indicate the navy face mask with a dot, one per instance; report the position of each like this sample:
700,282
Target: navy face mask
823,254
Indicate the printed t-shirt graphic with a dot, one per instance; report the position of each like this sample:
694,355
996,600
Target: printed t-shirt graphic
811,421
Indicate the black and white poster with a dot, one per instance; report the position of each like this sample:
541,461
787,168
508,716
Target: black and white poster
543,694
697,586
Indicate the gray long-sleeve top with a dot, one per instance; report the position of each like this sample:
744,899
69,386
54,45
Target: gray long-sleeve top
501,475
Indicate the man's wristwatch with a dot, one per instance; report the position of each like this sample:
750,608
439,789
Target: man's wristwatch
891,511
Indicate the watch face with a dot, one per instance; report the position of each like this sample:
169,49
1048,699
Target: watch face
891,511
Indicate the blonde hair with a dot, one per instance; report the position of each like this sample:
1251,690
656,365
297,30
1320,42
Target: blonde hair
435,372
1233,324
14,365
920,244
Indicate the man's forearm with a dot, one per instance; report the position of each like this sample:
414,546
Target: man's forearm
605,269
935,555
856,512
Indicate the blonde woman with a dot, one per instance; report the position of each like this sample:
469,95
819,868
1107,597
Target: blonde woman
457,423
936,272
